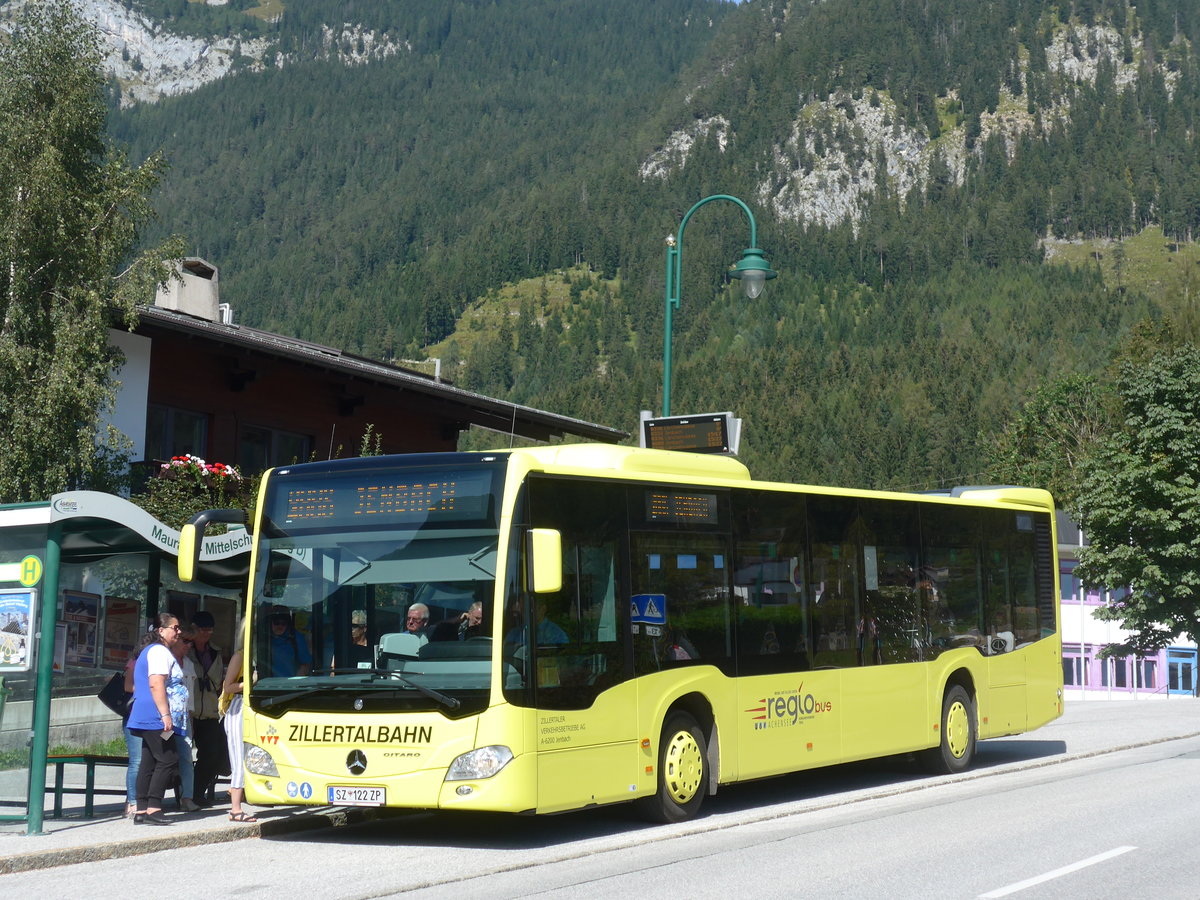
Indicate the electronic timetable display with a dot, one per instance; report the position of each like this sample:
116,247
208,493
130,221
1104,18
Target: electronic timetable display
681,507
708,433
381,497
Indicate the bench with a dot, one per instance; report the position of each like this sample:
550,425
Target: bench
90,789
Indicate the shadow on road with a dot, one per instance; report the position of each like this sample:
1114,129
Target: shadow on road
498,831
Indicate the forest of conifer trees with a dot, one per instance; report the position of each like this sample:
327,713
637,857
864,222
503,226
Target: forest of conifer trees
369,207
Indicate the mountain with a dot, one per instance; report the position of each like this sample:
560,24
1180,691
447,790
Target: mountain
911,163
338,190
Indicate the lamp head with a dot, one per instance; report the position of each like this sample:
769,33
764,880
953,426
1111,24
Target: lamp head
753,271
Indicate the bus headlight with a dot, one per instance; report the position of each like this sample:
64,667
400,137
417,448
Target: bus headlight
482,763
258,761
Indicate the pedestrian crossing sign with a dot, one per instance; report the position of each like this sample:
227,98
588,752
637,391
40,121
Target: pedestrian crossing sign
648,609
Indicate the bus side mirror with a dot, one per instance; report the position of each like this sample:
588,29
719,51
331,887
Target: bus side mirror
544,552
192,537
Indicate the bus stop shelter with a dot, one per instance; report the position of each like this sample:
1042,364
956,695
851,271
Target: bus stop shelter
80,576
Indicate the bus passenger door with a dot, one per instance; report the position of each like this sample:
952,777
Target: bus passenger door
584,733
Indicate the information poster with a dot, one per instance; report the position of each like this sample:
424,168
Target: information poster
120,631
18,611
81,612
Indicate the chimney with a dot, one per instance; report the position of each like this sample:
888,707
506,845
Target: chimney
196,292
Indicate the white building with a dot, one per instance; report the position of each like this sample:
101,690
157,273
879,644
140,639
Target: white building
1171,673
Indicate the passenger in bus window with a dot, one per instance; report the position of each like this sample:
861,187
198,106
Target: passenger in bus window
471,622
545,630
361,650
290,655
870,651
417,620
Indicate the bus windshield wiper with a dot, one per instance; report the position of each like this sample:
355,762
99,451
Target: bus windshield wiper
290,695
445,699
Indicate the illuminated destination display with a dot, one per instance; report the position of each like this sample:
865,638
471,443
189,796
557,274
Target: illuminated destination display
310,503
368,497
693,434
407,497
681,508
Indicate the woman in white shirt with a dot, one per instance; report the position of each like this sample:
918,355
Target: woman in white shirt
159,708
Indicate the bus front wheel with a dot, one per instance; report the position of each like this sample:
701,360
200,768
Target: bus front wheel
956,750
682,771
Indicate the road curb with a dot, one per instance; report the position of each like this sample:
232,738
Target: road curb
138,846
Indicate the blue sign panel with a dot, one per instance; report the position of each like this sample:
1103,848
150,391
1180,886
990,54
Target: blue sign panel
648,609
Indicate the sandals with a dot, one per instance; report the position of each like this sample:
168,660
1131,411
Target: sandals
242,817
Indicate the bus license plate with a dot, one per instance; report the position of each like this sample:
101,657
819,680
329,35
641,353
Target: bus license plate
354,795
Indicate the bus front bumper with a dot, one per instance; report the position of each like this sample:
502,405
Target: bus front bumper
512,789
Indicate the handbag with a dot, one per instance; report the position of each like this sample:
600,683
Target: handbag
114,696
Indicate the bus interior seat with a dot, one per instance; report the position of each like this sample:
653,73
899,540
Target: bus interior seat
446,630
398,646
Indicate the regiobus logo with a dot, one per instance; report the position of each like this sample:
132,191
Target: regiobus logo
786,708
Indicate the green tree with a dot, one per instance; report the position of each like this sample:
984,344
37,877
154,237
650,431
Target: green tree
1047,442
70,209
1140,502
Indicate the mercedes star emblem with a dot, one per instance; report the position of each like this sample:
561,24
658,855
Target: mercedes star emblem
356,762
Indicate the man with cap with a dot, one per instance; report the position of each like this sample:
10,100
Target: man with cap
212,759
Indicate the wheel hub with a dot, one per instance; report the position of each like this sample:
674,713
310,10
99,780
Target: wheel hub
683,767
958,730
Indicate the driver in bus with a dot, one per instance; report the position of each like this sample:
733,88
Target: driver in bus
290,655
546,631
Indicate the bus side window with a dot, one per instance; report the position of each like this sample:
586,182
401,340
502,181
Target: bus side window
771,609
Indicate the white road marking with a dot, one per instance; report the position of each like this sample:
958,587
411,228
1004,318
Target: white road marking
1065,870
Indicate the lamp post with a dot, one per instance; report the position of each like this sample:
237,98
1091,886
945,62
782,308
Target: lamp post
752,270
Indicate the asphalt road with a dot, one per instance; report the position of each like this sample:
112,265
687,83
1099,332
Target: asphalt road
1120,824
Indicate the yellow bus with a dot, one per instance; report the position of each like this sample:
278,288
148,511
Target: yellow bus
540,630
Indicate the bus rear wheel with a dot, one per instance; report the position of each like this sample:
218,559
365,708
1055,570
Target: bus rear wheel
956,751
682,771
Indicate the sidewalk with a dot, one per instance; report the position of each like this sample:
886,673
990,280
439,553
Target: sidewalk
1086,729
109,835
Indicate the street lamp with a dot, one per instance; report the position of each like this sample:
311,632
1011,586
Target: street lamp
752,270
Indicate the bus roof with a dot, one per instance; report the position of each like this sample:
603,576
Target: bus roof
638,462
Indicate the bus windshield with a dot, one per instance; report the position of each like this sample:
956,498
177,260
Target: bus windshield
375,592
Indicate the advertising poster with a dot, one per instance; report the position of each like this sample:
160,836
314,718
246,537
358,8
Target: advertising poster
120,631
81,612
18,609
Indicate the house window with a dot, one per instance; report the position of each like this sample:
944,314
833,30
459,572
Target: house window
1071,671
1068,583
1149,673
174,432
1121,672
259,448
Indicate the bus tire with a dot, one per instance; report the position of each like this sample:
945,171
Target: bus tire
682,771
956,750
